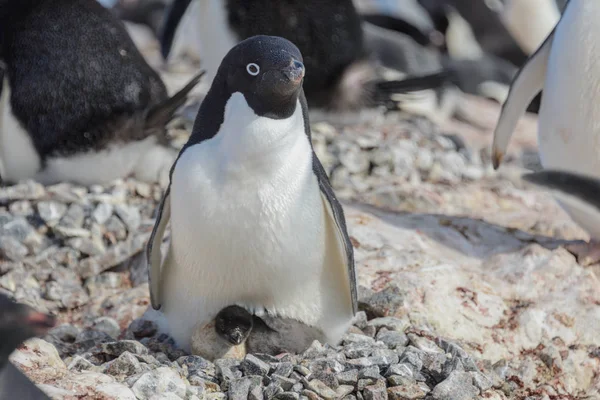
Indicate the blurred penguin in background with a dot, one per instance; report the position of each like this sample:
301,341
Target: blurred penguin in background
79,103
344,72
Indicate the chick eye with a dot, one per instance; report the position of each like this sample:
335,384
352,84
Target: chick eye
253,69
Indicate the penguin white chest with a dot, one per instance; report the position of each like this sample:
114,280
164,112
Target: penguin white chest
247,222
569,119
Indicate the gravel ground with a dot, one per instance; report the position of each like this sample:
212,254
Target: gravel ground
76,252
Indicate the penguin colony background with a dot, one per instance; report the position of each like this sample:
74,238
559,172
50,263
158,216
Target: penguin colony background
79,103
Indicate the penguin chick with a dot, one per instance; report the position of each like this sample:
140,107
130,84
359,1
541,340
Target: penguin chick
18,323
581,194
206,342
330,35
254,220
276,335
79,102
234,324
265,334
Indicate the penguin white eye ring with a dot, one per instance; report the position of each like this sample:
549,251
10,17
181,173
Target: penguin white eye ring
253,69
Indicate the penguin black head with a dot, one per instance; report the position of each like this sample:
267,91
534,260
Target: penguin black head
234,324
268,71
18,323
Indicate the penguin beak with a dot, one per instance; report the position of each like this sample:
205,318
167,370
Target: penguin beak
294,72
40,323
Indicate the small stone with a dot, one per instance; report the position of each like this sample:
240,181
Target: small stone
369,373
73,219
64,332
197,365
285,383
284,369
74,297
424,344
359,362
383,357
88,246
321,389
143,189
413,357
115,349
392,339
356,338
271,391
239,388
357,350
302,370
130,215
11,249
363,383
21,208
343,390
125,364
349,377
326,364
251,365
406,390
385,303
309,394
102,212
114,390
116,227
51,211
458,386
287,396
80,364
403,370
160,381
256,393
375,392
107,325
481,381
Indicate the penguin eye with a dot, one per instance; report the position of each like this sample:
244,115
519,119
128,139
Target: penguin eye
253,69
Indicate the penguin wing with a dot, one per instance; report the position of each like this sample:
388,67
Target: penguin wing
528,82
573,189
343,255
153,253
173,15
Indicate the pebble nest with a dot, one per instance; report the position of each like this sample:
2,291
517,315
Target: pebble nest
76,252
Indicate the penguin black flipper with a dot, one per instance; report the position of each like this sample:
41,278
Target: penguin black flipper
398,25
335,213
162,113
577,190
172,18
15,385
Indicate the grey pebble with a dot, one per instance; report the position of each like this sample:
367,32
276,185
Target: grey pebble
321,389
251,365
377,391
107,325
287,396
11,249
458,386
392,339
51,211
349,377
130,215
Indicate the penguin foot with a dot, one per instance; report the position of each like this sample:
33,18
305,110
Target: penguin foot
586,253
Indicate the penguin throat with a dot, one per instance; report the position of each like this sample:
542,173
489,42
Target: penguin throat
247,138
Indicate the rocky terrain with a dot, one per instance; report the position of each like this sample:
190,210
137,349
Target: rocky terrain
466,288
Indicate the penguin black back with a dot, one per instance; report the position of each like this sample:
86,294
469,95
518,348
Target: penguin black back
328,45
72,67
